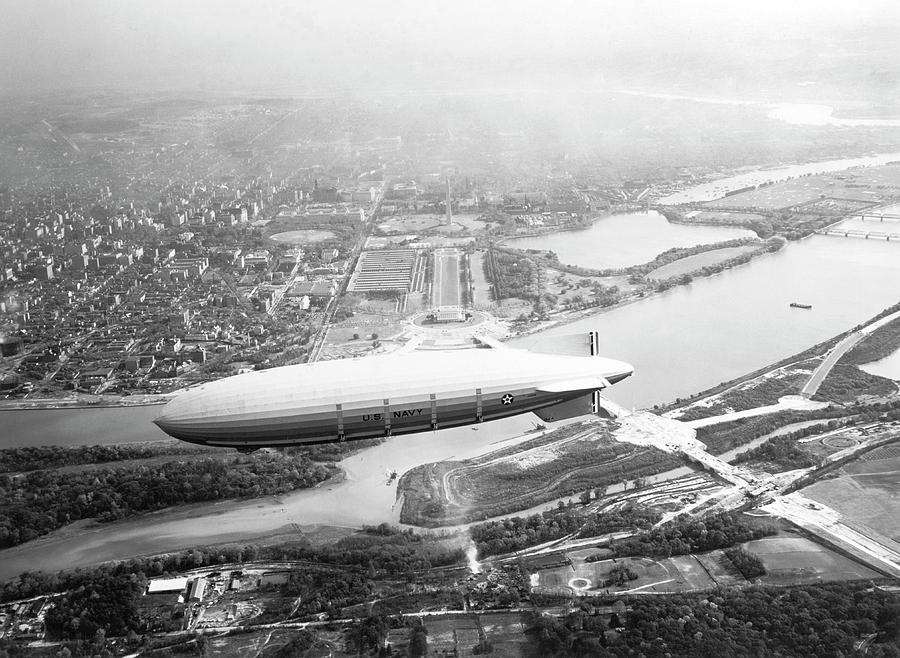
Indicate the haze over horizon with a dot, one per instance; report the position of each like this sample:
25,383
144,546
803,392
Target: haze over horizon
275,46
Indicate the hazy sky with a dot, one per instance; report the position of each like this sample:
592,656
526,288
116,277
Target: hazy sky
269,44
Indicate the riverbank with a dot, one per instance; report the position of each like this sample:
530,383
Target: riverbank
83,401
567,317
720,183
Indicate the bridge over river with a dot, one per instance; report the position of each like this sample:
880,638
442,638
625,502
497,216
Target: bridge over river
861,233
878,217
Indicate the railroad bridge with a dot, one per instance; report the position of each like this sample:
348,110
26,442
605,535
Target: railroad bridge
859,233
878,217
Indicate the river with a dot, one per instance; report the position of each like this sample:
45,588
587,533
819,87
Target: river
681,341
627,239
363,496
717,188
888,367
693,337
811,114
881,219
79,426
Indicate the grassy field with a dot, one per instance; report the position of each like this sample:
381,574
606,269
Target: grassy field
482,285
566,286
340,341
792,560
867,491
588,577
698,261
676,574
306,236
409,223
429,224
789,559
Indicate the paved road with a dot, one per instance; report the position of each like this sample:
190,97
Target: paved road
820,373
839,350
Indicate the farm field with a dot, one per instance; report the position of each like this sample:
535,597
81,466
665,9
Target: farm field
698,261
457,636
791,560
866,491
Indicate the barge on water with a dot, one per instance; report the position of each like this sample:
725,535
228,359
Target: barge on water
799,305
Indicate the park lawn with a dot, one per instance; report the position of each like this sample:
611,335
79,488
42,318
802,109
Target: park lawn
697,262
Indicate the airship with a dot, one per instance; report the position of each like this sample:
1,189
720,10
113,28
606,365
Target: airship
393,394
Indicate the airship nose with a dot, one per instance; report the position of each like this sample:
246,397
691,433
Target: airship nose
176,412
163,423
164,420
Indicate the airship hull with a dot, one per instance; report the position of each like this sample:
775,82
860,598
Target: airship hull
380,396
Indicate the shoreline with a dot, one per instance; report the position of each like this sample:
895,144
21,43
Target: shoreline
649,293
50,404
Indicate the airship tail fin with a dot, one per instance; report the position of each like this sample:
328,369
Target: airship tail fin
590,403
580,344
581,406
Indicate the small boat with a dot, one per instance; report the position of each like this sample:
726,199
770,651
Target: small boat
799,305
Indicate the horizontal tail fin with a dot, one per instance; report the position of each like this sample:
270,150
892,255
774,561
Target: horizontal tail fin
580,344
582,383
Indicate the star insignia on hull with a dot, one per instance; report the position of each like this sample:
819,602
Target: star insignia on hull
507,399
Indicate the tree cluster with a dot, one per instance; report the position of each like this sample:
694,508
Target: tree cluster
685,535
401,554
39,502
619,576
746,562
108,604
626,518
882,342
496,537
846,382
782,451
297,647
725,436
321,590
33,458
811,620
511,274
398,553
368,637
